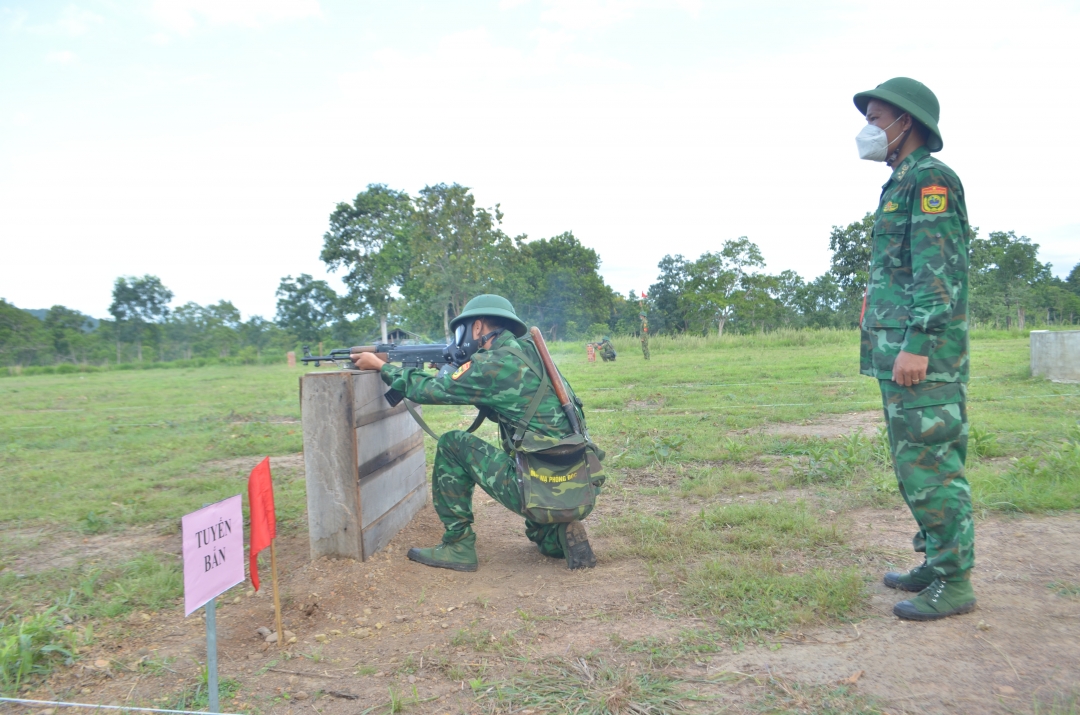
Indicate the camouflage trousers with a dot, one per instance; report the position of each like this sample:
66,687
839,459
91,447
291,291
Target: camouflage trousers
928,432
645,347
463,461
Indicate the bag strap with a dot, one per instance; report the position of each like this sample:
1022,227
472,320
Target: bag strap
534,405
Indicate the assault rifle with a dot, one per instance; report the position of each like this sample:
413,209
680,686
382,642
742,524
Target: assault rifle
445,357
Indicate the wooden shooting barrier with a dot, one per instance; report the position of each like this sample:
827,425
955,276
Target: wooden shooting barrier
366,472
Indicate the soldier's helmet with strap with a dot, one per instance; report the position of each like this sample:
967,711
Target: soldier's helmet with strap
909,96
490,305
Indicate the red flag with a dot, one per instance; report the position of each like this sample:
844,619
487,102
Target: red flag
643,295
263,521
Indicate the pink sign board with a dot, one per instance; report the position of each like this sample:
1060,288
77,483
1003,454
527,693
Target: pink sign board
213,551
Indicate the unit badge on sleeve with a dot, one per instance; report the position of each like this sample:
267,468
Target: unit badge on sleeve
935,199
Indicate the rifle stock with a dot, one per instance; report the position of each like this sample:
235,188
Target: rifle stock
556,379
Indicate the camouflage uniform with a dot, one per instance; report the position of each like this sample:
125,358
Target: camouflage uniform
500,381
607,350
644,336
916,302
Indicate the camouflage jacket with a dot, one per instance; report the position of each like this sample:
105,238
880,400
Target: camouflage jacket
917,297
496,379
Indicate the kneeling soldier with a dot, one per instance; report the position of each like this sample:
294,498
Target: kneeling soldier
546,471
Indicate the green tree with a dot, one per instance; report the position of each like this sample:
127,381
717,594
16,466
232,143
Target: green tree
720,287
850,248
256,332
306,307
138,306
558,286
459,251
372,239
68,330
667,314
1073,281
1004,272
22,336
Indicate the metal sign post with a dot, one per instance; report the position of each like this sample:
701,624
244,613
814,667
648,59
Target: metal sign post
213,546
211,657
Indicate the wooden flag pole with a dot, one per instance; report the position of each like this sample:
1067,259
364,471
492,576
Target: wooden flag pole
277,599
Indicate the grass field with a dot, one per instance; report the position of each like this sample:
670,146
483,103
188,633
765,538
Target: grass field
111,452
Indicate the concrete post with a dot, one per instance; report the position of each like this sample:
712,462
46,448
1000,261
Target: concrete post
1055,354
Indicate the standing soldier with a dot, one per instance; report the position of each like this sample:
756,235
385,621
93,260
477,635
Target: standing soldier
915,339
547,470
644,335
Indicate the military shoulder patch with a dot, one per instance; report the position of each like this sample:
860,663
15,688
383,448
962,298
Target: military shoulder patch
461,370
935,199
890,206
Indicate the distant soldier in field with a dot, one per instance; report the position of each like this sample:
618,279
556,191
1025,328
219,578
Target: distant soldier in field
644,336
547,471
606,349
915,339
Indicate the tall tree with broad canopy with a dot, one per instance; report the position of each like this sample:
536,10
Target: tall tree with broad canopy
559,287
459,251
1004,271
306,307
720,287
372,239
138,305
667,313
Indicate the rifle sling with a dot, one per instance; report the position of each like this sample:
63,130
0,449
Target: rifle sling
481,415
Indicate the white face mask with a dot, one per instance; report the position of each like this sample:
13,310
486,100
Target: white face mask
873,143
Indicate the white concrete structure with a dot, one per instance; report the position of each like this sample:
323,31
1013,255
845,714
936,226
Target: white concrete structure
1055,354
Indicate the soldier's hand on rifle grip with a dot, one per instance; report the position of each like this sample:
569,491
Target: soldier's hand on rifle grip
367,361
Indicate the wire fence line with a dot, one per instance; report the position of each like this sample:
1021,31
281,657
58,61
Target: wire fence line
126,708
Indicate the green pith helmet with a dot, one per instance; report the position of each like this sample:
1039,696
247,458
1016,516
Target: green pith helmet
493,305
910,96
606,338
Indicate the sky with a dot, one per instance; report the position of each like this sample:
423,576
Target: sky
207,141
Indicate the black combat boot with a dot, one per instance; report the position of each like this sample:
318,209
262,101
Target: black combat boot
575,545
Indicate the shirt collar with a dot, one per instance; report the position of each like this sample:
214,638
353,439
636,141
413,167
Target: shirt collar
503,338
905,166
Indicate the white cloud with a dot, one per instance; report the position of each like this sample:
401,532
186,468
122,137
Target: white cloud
61,57
75,21
578,15
184,15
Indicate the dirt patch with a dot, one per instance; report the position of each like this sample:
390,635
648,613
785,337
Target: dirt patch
389,623
29,551
1022,643
828,428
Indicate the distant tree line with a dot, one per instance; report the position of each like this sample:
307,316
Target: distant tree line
729,290
410,263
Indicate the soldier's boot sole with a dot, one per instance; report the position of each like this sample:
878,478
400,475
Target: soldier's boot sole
417,556
576,549
905,610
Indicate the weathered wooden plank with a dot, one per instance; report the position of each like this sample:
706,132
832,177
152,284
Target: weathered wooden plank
385,488
379,437
369,394
378,533
393,455
326,408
